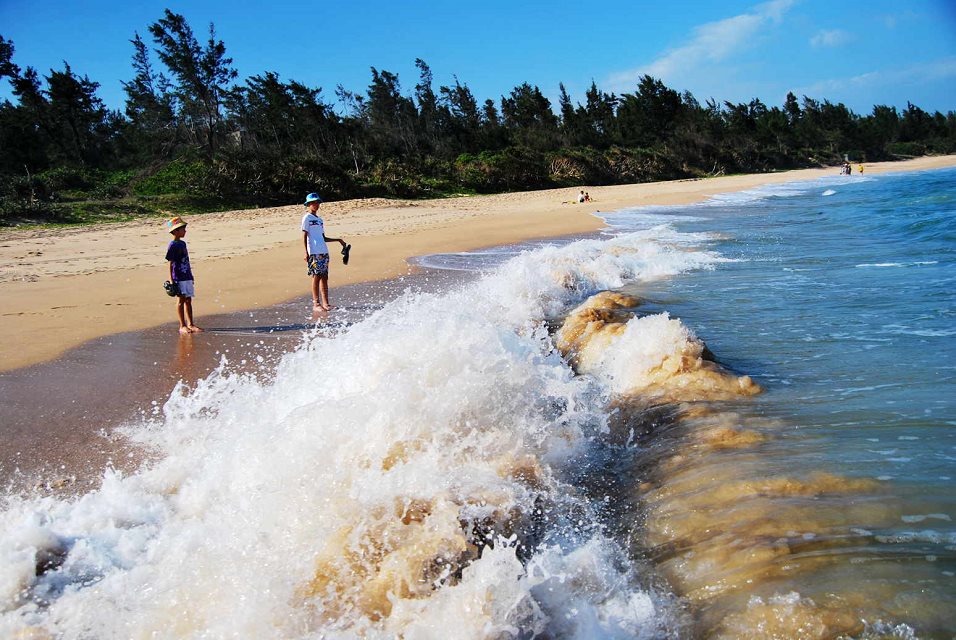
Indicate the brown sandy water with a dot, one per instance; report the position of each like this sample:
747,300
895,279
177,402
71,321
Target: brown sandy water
758,545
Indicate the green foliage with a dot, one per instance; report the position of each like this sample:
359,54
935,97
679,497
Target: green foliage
640,165
27,198
906,149
514,168
113,184
191,140
16,210
68,179
179,176
576,166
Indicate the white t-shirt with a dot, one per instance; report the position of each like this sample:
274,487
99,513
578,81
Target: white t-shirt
313,225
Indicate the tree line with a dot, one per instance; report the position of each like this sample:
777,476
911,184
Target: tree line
190,131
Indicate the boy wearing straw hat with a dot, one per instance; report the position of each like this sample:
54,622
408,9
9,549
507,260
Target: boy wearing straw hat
181,275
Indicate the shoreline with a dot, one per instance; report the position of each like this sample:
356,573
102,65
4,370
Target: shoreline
65,287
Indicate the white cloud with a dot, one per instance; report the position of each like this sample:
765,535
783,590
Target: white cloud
710,43
893,20
829,38
923,73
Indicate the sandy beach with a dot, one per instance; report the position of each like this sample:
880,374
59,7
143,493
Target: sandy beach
63,287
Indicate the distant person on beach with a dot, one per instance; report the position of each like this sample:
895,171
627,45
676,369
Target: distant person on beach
861,169
581,196
181,275
587,197
317,252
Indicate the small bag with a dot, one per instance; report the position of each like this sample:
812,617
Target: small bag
172,288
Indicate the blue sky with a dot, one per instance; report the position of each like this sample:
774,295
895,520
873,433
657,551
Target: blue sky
858,53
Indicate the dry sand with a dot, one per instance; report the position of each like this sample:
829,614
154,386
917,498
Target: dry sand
63,287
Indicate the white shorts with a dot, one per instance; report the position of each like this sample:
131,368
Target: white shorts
186,288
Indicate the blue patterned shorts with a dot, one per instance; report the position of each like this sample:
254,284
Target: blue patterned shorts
319,264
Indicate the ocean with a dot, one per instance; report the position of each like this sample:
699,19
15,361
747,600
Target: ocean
735,419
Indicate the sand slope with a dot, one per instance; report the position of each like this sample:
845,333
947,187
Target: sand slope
63,287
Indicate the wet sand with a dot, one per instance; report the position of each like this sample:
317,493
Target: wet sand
62,419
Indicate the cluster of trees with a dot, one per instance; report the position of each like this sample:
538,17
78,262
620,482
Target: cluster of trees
188,127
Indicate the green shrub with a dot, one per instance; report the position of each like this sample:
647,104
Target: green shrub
271,180
906,148
514,168
570,167
28,199
113,184
33,188
69,178
179,176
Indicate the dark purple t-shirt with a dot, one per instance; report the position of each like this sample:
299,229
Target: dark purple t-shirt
180,258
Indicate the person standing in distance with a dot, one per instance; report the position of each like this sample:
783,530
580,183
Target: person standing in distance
317,252
181,275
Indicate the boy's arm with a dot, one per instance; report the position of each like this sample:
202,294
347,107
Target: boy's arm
305,243
172,254
328,239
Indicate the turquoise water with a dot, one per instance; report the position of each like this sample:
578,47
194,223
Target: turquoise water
841,300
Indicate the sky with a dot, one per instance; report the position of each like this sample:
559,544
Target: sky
857,53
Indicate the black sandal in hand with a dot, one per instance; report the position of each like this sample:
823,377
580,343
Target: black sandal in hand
345,253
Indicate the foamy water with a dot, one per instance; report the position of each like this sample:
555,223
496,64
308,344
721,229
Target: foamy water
520,457
804,512
411,475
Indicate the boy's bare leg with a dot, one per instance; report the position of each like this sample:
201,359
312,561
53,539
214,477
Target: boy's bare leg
324,293
190,326
316,300
181,312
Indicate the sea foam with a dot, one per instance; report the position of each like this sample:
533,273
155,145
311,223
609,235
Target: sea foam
408,476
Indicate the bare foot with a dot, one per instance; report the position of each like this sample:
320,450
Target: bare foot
184,331
328,307
194,329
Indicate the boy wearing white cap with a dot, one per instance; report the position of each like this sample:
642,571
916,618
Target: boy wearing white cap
317,251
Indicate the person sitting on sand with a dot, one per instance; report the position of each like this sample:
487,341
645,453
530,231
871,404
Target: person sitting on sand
581,196
181,275
587,197
317,252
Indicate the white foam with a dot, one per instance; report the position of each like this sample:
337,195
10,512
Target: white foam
896,264
640,349
648,217
255,480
